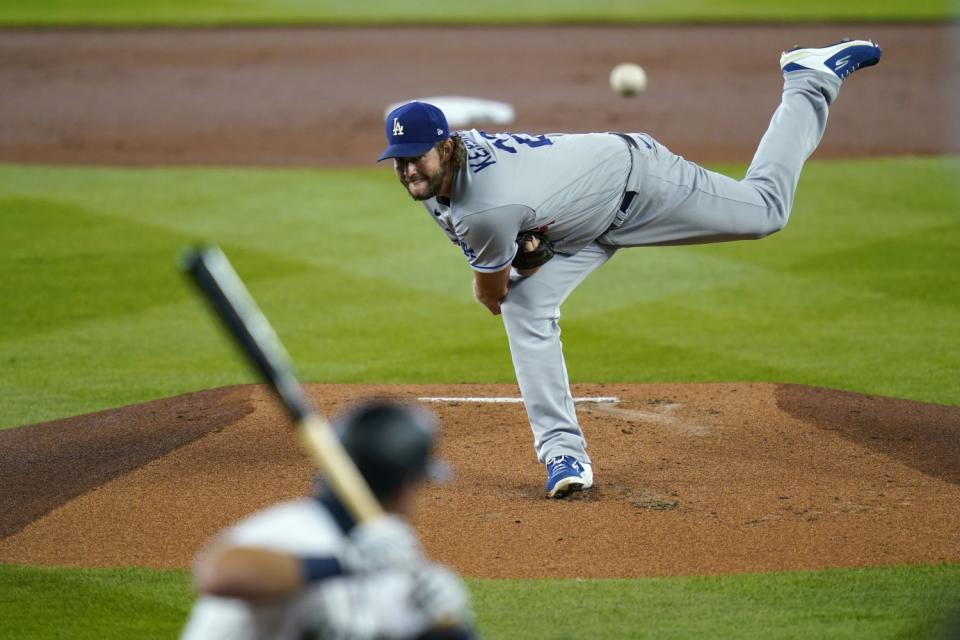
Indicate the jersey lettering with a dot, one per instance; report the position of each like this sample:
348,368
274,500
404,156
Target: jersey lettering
478,157
508,141
467,251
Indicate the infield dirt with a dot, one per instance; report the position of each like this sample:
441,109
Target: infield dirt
691,479
317,96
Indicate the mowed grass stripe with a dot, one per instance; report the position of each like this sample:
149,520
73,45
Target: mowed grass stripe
847,301
362,287
874,603
892,602
183,12
874,267
355,220
167,349
42,602
68,266
676,341
840,205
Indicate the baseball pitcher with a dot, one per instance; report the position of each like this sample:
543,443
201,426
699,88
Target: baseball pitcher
535,215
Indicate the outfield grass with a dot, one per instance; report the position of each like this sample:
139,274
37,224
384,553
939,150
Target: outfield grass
858,293
37,603
217,12
40,602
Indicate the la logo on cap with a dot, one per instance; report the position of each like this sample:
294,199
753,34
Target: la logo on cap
412,129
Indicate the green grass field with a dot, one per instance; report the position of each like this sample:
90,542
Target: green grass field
859,292
887,602
215,12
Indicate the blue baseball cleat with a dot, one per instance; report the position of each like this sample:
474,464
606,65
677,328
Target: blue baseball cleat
840,59
566,474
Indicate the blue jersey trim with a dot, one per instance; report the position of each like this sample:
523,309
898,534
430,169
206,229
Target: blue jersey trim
317,568
499,266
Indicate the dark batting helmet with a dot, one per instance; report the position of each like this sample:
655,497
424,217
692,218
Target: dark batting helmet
391,443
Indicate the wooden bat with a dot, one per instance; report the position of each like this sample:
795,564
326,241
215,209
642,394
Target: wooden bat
220,284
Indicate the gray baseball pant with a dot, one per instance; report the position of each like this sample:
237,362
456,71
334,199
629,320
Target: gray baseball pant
675,202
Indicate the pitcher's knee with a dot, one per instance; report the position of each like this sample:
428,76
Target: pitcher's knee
774,221
759,224
777,199
515,314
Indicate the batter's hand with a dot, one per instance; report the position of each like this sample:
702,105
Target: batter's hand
442,597
387,542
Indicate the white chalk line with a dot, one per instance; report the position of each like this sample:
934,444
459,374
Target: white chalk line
509,400
665,418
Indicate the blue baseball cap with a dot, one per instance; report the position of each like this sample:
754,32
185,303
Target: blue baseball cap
412,129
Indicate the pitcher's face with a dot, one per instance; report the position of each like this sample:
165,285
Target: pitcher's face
423,176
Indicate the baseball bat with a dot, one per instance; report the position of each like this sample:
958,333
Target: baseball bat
233,304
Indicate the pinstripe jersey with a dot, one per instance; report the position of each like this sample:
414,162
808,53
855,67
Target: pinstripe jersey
375,605
568,186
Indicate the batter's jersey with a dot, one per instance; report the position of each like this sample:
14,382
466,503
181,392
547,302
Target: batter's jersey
568,186
369,606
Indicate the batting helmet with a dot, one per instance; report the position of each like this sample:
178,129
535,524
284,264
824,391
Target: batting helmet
391,443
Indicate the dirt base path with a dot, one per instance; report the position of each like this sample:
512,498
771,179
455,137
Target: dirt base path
691,479
316,96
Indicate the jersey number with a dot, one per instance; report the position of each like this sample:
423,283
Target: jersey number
504,140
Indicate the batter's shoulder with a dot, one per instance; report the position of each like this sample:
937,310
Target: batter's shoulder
300,525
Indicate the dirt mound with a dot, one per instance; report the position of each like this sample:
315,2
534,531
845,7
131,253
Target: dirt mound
691,479
46,465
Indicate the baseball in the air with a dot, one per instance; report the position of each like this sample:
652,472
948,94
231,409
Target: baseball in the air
628,79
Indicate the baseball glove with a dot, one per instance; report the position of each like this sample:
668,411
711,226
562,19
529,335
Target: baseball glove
532,258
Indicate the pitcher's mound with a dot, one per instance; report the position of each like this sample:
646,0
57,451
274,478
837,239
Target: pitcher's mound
690,479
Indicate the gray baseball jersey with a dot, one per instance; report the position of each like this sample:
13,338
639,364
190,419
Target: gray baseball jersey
576,186
568,186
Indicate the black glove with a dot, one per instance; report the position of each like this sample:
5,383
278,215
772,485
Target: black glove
538,256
